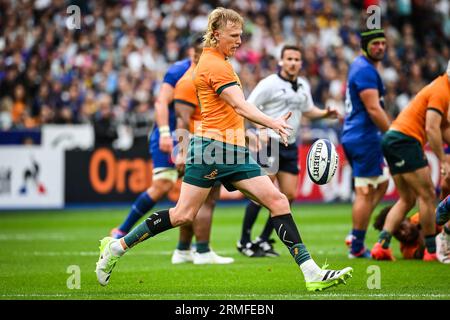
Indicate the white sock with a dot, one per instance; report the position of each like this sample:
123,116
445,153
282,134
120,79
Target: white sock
116,248
311,270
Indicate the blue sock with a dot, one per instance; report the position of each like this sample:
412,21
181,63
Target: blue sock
442,211
141,206
358,240
444,205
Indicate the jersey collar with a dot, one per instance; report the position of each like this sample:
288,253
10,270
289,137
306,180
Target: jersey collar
214,51
294,84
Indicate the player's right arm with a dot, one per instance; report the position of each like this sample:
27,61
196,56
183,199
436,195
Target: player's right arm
165,97
234,96
371,100
433,121
184,113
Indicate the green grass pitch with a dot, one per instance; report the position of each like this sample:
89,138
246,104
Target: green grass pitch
38,248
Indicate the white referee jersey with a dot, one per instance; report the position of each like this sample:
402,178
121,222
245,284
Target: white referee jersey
276,96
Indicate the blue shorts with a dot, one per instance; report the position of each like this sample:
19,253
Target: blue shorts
365,158
160,159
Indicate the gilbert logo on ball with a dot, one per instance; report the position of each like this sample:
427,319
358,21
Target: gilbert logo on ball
322,161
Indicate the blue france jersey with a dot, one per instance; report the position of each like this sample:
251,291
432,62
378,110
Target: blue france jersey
173,74
358,126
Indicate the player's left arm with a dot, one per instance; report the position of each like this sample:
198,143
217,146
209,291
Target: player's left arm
317,113
184,112
313,112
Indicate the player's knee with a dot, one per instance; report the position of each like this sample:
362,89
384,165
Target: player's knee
181,218
428,193
278,203
409,202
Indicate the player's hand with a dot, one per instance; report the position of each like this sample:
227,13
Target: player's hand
445,169
282,128
332,113
166,144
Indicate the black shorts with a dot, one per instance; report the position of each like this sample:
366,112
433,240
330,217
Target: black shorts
277,157
403,153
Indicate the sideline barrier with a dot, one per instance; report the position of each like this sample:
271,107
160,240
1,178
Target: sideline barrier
31,177
107,175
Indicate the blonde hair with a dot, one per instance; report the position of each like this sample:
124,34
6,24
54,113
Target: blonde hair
217,20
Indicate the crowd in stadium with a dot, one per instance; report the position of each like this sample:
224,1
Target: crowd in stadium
109,71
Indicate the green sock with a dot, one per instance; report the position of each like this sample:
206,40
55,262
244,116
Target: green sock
385,239
158,222
202,246
183,245
430,243
138,234
299,252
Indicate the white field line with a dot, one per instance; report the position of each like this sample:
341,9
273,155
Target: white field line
35,236
232,296
96,253
53,236
87,253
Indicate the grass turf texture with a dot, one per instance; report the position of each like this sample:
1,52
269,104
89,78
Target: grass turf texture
36,249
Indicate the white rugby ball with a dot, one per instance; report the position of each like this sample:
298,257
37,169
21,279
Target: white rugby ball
322,161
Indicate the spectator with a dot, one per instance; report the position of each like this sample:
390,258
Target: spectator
105,129
122,44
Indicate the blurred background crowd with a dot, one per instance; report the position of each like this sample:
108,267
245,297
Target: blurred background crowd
109,71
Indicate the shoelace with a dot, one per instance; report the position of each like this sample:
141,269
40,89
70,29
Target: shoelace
111,261
325,265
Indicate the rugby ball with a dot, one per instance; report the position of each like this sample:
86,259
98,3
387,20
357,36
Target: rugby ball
322,161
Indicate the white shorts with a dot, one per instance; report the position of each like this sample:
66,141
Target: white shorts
374,181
